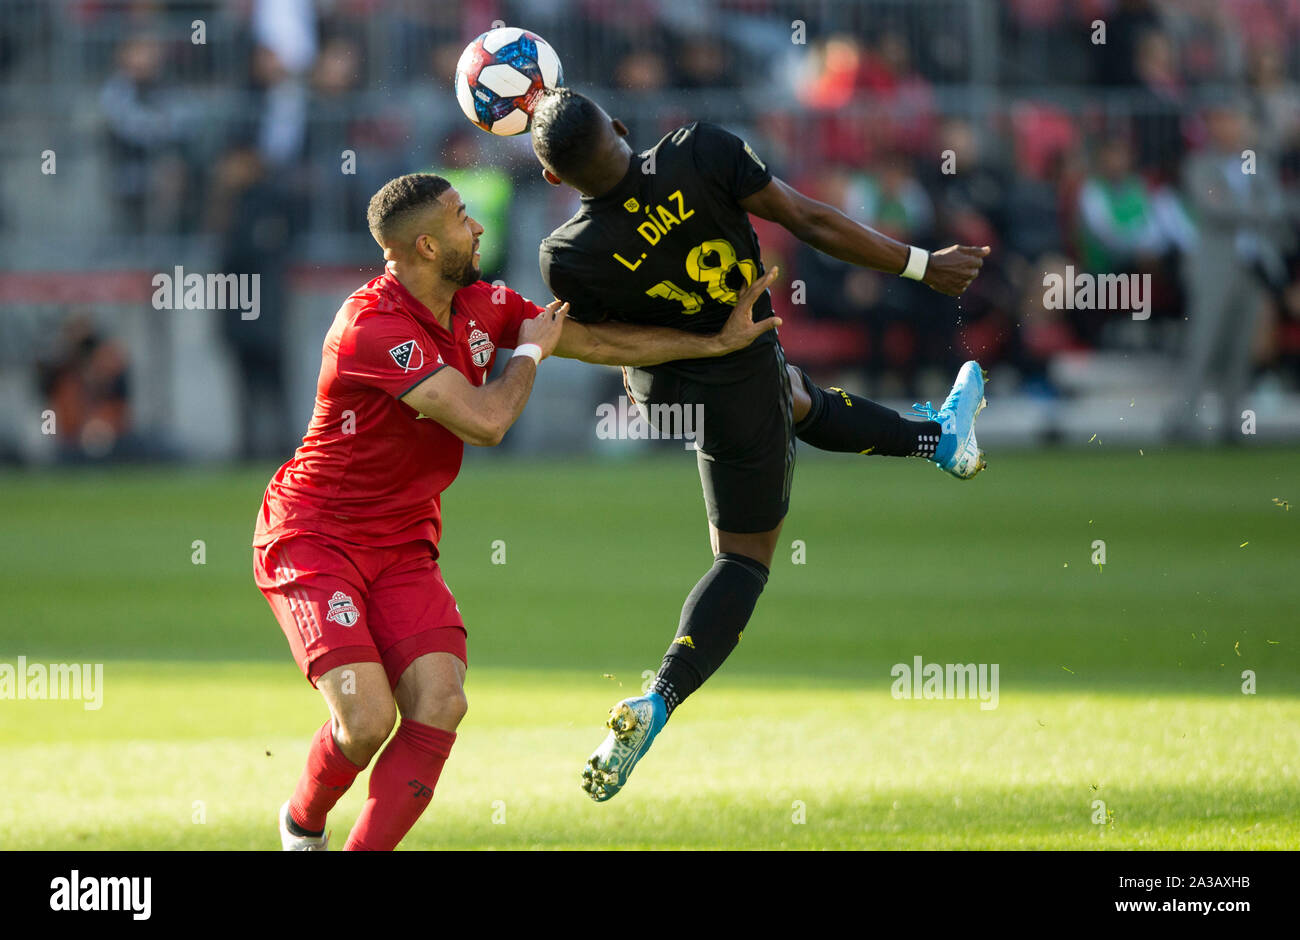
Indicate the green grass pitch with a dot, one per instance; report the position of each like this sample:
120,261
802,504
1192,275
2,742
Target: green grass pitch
1120,684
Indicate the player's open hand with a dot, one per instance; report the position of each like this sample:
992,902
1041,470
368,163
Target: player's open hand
740,330
545,328
951,270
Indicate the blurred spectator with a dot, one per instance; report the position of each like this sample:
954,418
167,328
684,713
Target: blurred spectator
333,126
887,78
337,70
253,217
1210,47
1043,332
826,87
1158,106
974,197
643,72
1048,172
1244,233
1114,60
146,127
1046,37
892,200
285,33
1118,226
704,63
1127,226
85,384
1035,220
1275,106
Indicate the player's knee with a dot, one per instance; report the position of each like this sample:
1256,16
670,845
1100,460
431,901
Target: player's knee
363,732
760,546
443,707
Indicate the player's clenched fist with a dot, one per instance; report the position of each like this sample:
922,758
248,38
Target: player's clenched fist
545,328
951,270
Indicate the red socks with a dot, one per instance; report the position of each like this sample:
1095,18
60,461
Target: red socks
326,778
401,786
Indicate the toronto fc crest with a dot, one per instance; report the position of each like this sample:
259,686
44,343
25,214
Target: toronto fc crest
342,610
480,348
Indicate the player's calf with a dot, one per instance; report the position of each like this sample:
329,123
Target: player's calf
363,713
713,618
835,420
430,695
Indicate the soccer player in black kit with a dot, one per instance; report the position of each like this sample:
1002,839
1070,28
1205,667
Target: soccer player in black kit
663,238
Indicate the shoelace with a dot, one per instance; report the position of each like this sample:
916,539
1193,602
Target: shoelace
927,411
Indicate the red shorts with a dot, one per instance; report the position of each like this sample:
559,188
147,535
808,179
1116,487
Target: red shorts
341,603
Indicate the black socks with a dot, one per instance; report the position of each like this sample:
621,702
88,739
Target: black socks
713,618
299,831
845,423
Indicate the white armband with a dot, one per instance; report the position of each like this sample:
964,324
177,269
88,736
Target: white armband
532,350
917,261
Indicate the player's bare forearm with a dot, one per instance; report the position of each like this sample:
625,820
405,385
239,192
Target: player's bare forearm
503,398
477,415
481,415
829,230
826,228
832,232
624,344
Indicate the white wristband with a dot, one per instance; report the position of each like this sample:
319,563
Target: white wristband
917,261
532,350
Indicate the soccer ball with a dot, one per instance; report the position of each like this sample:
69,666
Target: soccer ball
500,75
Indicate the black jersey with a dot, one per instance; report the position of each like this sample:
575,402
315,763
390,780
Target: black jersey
669,245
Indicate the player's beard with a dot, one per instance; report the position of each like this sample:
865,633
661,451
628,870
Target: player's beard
461,270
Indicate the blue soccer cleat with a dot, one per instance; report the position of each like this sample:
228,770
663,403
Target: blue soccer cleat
633,724
958,452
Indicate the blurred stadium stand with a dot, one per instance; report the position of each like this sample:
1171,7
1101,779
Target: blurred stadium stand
228,156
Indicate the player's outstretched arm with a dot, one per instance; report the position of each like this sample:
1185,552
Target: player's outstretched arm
624,344
829,230
481,415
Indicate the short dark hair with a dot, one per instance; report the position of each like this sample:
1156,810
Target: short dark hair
566,129
400,196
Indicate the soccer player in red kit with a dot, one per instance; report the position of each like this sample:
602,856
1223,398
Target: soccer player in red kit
346,544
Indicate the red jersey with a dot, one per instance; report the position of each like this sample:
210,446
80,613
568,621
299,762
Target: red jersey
371,469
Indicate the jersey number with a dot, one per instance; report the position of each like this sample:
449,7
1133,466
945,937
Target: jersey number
709,263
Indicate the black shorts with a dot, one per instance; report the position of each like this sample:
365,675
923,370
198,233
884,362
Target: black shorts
746,438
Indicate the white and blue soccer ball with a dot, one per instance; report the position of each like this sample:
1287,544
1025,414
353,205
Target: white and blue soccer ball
500,76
